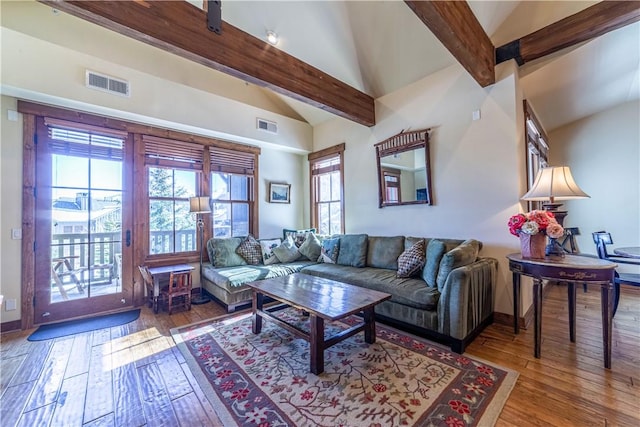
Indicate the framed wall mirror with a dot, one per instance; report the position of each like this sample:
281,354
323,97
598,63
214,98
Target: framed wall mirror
404,172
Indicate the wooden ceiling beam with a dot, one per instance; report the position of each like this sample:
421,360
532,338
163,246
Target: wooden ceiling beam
585,25
458,29
181,28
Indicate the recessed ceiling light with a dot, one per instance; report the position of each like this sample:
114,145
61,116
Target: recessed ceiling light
272,38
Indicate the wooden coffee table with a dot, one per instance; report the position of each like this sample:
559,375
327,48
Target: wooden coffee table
323,299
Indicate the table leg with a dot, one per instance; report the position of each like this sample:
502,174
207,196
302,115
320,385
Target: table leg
537,314
156,293
516,303
571,291
257,301
316,342
369,326
607,315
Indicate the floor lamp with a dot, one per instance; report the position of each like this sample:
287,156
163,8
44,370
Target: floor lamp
199,206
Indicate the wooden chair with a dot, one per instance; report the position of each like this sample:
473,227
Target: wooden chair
179,290
602,239
148,284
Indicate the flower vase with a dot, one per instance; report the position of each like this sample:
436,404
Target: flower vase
533,245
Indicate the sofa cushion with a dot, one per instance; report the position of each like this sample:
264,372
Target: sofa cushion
410,241
298,236
267,246
330,250
311,248
411,292
383,252
465,253
353,250
222,252
435,251
411,261
287,251
250,250
231,278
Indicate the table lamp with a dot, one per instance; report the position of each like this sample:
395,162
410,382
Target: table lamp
198,206
551,184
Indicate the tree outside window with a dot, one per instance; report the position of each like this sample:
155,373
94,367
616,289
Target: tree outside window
171,227
231,195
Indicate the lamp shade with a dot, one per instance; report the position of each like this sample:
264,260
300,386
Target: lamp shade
554,183
199,205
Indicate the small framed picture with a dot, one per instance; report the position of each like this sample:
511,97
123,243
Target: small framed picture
279,193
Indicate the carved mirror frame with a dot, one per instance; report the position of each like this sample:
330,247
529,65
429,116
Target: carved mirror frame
402,142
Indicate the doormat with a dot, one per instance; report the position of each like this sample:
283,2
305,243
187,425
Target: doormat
62,329
402,379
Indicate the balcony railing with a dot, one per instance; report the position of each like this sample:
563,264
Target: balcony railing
97,261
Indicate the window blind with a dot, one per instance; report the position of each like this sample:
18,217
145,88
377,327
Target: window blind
80,140
172,153
230,161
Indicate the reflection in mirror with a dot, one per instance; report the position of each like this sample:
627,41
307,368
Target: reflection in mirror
403,169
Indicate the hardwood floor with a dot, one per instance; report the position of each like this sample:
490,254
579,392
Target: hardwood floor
132,375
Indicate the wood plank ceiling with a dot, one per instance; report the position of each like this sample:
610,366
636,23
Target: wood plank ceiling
181,28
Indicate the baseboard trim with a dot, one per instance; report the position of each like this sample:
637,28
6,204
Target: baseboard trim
526,319
14,325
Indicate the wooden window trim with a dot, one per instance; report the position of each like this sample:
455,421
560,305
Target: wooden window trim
317,157
134,131
538,143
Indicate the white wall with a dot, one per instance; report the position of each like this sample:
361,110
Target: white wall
282,167
603,152
477,166
10,208
167,91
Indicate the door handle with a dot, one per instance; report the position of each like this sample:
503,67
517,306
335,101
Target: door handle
128,238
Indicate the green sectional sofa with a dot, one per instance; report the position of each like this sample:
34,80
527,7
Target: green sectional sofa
449,300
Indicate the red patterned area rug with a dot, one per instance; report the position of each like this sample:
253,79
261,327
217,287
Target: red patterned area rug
264,380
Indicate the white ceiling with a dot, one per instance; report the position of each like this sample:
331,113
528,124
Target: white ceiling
381,46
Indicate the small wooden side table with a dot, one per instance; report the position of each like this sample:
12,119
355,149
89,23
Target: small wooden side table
569,268
164,271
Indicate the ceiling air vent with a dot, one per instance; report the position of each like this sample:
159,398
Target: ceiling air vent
267,126
107,84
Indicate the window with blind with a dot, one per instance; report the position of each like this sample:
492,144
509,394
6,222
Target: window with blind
327,189
82,165
233,192
173,168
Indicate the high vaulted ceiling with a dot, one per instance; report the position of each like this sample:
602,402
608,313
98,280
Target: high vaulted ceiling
377,47
381,46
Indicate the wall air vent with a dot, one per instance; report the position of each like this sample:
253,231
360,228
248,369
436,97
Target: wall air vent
107,84
267,126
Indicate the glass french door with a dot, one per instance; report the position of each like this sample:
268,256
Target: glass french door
82,221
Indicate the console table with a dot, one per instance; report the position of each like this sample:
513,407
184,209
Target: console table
569,268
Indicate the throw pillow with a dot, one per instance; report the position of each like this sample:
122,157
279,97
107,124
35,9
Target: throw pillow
383,252
311,248
267,246
250,250
298,235
353,250
222,252
411,260
330,250
463,254
287,251
435,251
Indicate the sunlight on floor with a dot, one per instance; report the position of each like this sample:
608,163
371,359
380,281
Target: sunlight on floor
134,348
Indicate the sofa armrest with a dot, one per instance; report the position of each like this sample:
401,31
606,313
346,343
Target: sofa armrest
466,299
